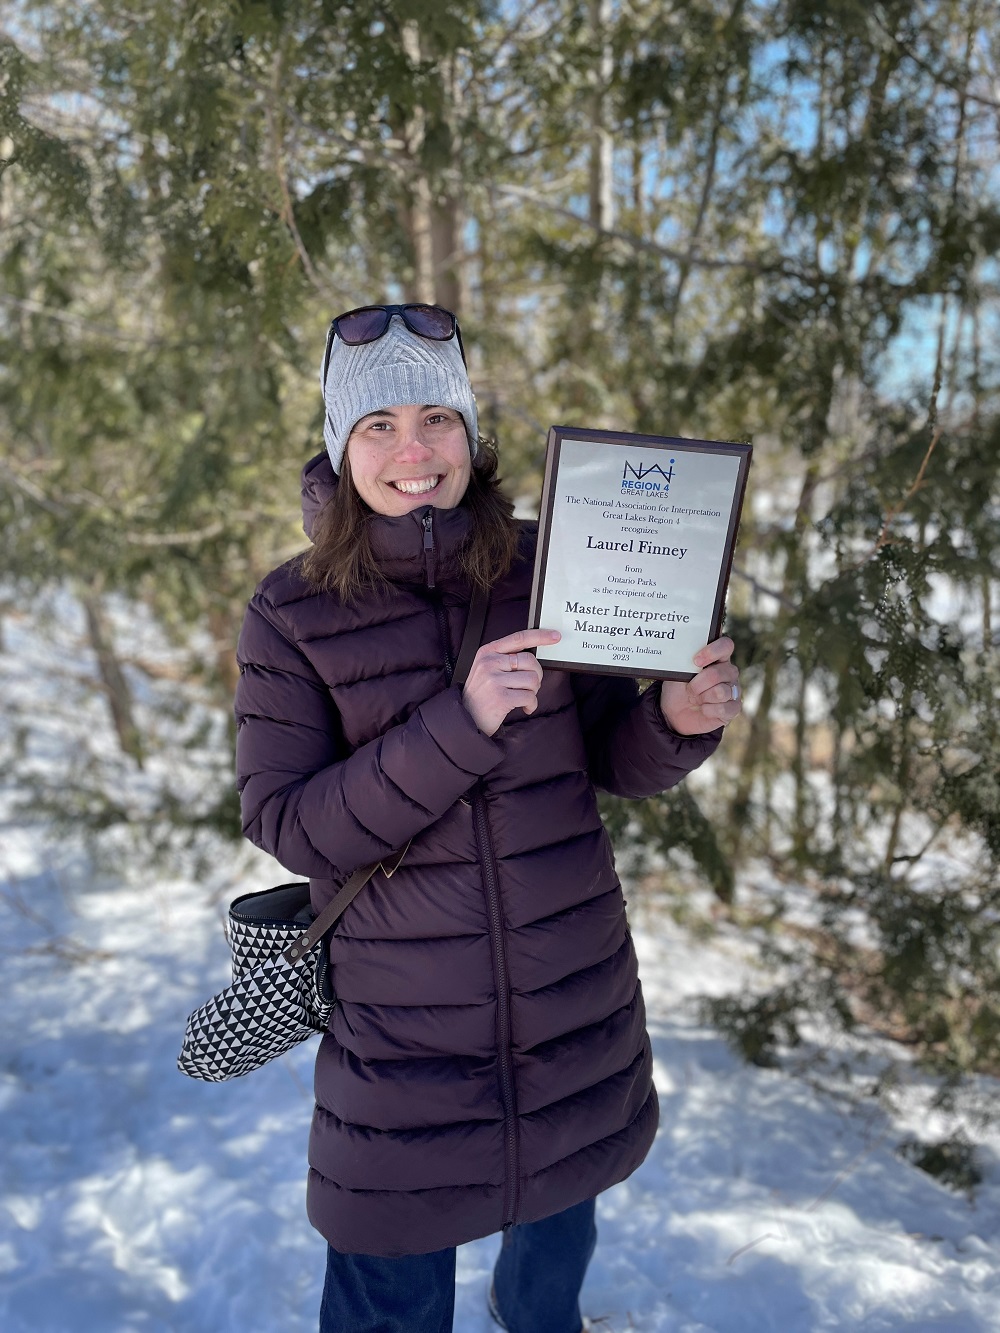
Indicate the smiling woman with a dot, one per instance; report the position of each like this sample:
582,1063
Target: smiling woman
486,1066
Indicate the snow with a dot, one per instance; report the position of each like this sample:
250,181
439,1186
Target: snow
133,1200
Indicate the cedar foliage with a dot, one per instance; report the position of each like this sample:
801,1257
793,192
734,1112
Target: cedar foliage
775,221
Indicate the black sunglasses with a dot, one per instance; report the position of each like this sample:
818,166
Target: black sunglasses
368,323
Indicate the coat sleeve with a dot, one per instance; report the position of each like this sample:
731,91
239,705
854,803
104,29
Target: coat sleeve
320,810
631,750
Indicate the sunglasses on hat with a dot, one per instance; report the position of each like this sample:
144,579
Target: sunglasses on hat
368,323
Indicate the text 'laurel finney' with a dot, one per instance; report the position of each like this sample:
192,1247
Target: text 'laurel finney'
642,548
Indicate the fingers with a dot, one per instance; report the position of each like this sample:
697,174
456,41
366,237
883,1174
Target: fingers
514,668
718,702
719,650
716,687
718,714
723,713
717,673
711,698
715,690
505,676
519,680
714,684
522,639
526,699
514,662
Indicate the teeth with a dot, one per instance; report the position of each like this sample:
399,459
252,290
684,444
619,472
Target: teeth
416,487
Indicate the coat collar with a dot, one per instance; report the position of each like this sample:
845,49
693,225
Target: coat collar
399,542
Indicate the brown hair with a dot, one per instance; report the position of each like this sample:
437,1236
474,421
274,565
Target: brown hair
343,560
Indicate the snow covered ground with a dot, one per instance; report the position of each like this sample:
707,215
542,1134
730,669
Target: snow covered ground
135,1201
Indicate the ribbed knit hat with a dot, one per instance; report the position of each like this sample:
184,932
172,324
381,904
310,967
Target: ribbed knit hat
398,368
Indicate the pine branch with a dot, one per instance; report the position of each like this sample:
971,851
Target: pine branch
287,211
963,93
177,538
690,257
883,539
780,598
87,500
89,326
29,488
514,30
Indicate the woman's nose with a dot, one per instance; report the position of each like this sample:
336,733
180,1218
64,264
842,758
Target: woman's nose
412,448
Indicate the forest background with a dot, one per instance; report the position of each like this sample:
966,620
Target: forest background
774,221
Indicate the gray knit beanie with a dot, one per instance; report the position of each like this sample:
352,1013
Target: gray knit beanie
398,368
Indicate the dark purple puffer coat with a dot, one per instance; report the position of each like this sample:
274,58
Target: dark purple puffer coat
487,1062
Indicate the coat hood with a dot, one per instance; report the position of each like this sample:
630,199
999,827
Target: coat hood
318,483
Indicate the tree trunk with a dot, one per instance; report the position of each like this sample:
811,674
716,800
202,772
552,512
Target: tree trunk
113,680
417,218
601,191
986,586
446,247
417,214
433,220
800,774
903,776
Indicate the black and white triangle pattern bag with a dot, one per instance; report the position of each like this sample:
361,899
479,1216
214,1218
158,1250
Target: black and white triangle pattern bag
275,1000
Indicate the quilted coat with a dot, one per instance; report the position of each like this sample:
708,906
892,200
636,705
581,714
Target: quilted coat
487,1062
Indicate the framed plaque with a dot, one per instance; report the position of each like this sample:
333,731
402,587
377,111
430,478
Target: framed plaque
635,547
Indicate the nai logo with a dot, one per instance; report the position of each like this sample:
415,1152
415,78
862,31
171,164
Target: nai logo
650,478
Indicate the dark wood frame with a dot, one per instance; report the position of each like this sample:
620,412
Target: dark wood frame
611,437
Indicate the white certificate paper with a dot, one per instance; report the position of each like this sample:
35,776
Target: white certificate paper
636,538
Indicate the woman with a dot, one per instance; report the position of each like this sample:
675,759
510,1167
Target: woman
487,1065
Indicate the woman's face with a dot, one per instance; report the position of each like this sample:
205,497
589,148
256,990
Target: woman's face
405,457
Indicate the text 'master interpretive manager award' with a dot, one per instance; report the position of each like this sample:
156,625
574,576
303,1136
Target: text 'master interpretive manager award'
635,546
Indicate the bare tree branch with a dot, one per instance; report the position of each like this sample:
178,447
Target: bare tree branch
287,211
904,46
689,257
89,326
30,489
779,597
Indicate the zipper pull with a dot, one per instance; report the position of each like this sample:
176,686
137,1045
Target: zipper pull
430,560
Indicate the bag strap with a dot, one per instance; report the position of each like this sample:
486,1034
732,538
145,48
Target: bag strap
343,899
473,635
334,908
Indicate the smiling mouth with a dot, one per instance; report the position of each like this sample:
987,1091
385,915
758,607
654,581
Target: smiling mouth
417,487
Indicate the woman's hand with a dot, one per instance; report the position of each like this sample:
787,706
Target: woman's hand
709,699
504,676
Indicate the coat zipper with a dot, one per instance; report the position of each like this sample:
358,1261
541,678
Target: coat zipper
491,883
430,554
430,569
442,620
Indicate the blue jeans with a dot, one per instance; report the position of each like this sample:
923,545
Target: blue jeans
537,1278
